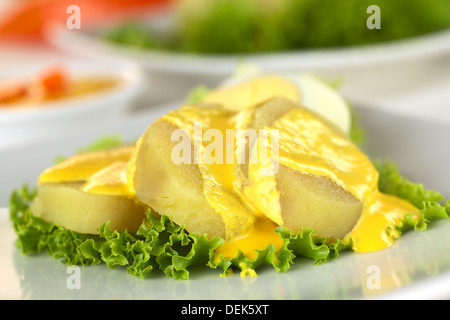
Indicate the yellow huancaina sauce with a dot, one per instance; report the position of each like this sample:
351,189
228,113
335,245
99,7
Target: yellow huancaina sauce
307,144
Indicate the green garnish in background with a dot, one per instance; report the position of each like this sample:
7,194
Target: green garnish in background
238,26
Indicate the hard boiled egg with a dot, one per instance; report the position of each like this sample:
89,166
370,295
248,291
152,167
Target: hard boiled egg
249,86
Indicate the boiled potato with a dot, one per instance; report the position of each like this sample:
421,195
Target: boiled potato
81,166
317,202
64,204
111,180
192,194
172,189
295,194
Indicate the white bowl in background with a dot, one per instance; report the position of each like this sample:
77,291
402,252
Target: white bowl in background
369,70
29,122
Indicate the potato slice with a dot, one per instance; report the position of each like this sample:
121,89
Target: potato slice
317,202
64,204
254,91
111,180
318,179
171,189
81,166
192,193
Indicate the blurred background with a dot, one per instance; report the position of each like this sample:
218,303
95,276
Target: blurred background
72,70
396,57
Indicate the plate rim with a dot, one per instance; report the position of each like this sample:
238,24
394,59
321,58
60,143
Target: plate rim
203,64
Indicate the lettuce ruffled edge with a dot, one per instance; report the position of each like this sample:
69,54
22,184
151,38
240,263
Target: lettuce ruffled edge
160,244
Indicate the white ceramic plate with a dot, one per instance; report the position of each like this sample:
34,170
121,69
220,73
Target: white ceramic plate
18,124
417,266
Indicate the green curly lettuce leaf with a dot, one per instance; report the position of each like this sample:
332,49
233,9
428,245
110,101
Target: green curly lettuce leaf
247,266
301,244
306,244
101,143
162,245
392,182
159,244
431,204
196,94
357,133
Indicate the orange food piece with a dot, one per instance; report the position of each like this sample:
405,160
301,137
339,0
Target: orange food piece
29,17
53,81
12,90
